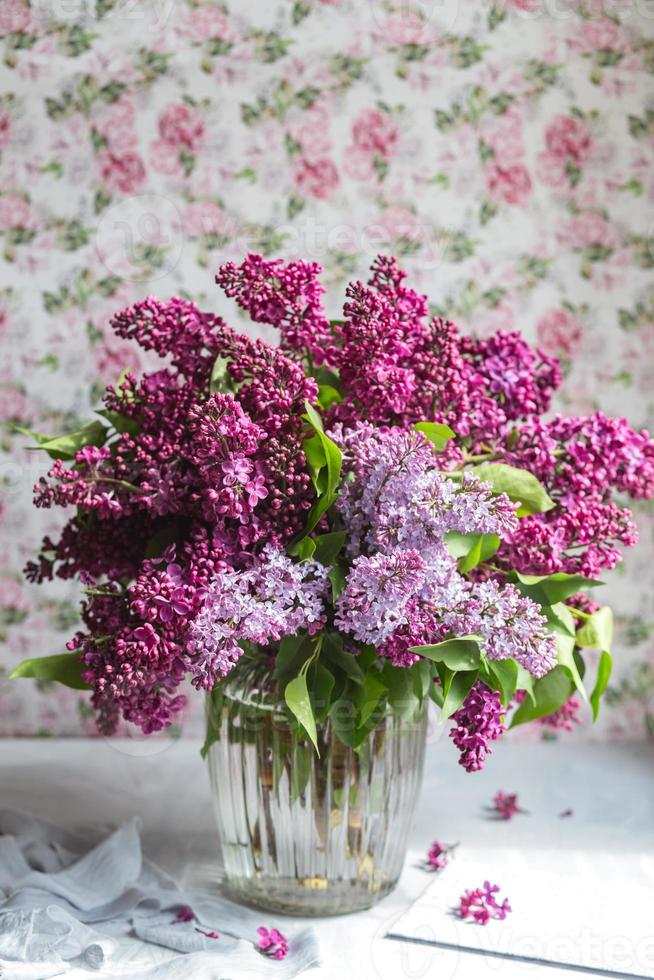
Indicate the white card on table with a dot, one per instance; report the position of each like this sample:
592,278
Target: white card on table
594,919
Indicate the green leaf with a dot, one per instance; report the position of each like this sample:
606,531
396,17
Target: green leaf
332,649
322,684
525,682
121,423
521,486
371,692
562,624
344,715
343,719
423,677
320,507
484,548
160,540
560,618
471,548
597,630
300,769
550,693
548,590
436,432
65,447
219,377
604,668
292,653
401,693
461,653
458,689
459,544
436,695
214,714
316,461
446,675
565,657
328,396
326,378
505,676
328,546
303,549
338,577
297,698
333,455
66,668
323,454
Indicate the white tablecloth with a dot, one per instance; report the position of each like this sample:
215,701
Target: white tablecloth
610,789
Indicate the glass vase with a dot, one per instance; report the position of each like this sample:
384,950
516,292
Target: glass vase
302,833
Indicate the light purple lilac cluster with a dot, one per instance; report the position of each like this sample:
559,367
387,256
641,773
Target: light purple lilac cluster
274,598
400,499
404,589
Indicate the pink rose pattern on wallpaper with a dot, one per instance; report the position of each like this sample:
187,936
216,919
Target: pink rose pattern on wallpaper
505,150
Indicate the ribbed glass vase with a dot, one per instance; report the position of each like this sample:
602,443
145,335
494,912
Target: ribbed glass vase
302,833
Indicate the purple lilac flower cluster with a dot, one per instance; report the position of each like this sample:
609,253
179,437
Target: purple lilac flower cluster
404,583
221,474
401,499
276,597
190,496
477,723
399,366
582,462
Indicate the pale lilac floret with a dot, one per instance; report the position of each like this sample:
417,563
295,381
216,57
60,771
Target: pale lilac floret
400,499
276,597
510,624
398,508
378,590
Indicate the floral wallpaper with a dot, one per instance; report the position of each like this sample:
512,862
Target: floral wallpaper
504,149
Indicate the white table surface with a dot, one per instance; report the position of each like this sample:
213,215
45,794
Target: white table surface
609,787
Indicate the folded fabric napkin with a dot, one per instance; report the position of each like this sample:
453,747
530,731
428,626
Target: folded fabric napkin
66,904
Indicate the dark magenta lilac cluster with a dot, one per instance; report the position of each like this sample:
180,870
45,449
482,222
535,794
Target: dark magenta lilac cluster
199,499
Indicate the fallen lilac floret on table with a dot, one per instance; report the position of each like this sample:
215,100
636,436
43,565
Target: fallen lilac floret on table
505,805
272,942
438,855
481,905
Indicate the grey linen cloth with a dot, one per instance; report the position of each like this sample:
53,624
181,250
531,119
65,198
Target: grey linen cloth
64,904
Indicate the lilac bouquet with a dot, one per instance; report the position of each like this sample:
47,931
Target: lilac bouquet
379,506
